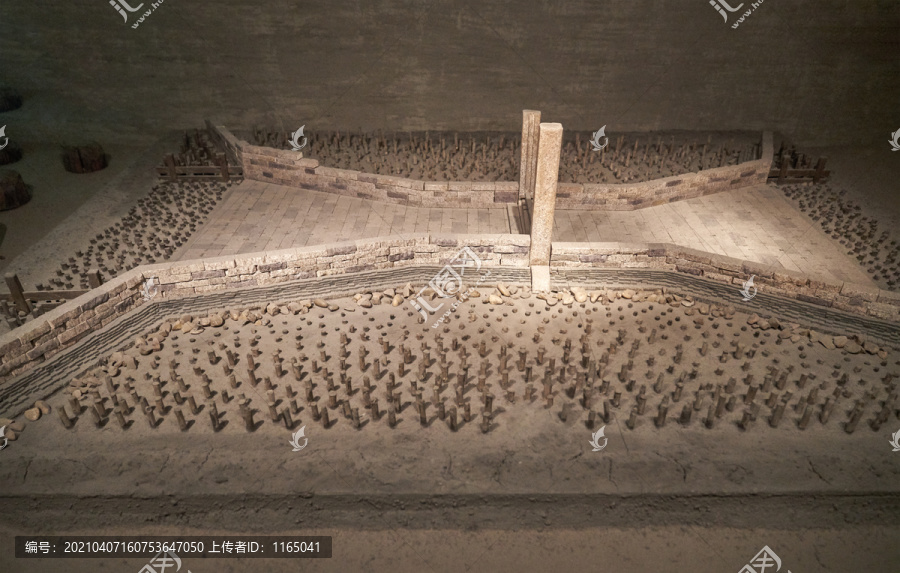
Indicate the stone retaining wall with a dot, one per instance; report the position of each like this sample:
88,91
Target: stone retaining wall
110,315
849,297
65,325
630,196
290,168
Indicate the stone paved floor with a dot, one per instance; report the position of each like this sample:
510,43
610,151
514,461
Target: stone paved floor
756,224
259,216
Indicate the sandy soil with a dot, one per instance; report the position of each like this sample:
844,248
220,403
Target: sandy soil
641,350
531,482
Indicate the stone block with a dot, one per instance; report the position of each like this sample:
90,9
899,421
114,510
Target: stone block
93,301
757,269
865,292
73,334
208,274
883,311
888,297
689,268
540,278
269,267
173,279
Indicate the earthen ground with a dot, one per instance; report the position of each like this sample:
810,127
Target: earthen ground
446,501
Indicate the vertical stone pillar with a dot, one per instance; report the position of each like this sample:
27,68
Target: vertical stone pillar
528,164
547,174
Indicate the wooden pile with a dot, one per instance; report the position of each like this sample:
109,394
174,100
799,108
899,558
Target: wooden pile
790,166
198,158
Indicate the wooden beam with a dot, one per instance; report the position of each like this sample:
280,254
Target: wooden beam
820,169
223,165
17,293
170,166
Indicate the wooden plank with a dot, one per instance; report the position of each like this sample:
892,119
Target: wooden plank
55,294
17,294
223,165
791,181
797,173
42,295
170,167
820,170
200,171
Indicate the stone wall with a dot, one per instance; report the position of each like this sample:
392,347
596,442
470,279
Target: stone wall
65,325
290,168
112,314
629,196
848,297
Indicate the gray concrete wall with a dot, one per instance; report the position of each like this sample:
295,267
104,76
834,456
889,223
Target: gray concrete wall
824,72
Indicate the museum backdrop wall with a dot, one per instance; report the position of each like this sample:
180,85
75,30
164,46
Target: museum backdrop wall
825,72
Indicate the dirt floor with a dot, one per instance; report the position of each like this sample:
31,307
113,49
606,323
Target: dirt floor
530,493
